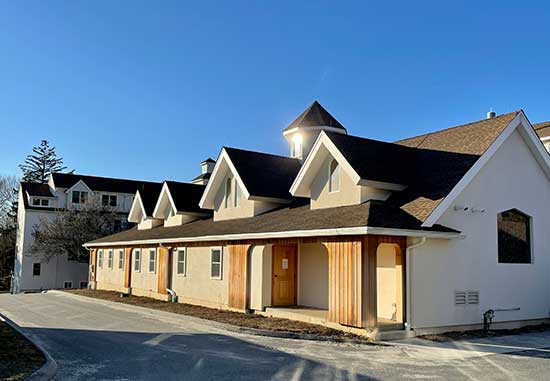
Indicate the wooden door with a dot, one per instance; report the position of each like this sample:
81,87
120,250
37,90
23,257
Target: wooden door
284,275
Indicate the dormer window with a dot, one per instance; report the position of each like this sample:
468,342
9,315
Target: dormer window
79,197
334,176
296,146
109,200
44,202
228,192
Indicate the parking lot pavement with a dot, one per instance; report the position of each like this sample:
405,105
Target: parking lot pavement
92,340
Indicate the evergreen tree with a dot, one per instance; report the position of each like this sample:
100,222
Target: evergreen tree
38,166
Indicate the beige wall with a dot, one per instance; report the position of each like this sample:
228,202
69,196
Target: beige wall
386,280
144,283
196,287
245,209
110,279
260,276
349,193
313,275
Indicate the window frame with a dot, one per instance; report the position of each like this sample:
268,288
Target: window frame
337,171
529,239
39,269
152,251
110,197
237,198
65,285
81,199
212,250
121,259
110,259
85,284
100,258
137,260
180,250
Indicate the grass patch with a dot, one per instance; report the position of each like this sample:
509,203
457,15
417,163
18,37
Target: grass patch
223,316
479,334
19,358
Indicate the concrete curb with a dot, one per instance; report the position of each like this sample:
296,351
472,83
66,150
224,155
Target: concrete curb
49,369
177,319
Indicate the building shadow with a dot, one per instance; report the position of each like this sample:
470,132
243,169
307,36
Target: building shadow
118,355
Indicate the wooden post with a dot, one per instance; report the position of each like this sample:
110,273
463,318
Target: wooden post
127,267
162,267
93,265
238,276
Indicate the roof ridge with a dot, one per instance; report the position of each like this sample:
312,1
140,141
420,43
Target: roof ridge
106,178
454,127
261,153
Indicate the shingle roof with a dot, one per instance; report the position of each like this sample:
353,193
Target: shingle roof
37,189
542,129
203,176
95,183
209,160
187,196
472,138
265,175
149,194
299,217
313,116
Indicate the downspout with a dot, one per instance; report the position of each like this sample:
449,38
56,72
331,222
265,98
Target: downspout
408,279
173,296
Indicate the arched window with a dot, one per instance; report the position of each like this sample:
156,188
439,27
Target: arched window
334,176
514,237
228,192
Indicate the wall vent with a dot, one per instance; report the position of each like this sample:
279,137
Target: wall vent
466,297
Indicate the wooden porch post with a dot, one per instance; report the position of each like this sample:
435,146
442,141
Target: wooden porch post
345,259
127,267
162,270
93,266
238,276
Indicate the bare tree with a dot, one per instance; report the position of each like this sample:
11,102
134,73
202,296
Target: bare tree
66,232
8,200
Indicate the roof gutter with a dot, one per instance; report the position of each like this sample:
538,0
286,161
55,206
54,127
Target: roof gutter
361,230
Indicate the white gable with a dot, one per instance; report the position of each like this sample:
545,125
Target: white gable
137,211
165,206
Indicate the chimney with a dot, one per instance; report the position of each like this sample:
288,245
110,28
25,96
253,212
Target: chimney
207,166
491,114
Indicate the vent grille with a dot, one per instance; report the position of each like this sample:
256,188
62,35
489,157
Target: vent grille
466,297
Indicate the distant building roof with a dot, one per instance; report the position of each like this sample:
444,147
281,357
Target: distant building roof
96,183
542,129
209,160
315,116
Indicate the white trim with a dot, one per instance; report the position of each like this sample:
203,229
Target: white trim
209,194
138,202
184,250
165,190
69,190
337,168
362,230
220,263
533,142
110,259
315,128
135,259
121,251
149,251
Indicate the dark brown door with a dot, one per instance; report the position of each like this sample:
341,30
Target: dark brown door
284,275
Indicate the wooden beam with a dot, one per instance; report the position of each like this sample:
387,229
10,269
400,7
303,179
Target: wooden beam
162,270
93,265
127,267
238,276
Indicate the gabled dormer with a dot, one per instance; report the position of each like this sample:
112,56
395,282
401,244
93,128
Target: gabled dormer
246,183
304,130
178,203
347,170
143,206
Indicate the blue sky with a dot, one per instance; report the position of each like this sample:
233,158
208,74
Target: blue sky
147,90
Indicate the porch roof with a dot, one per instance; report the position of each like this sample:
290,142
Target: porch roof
296,219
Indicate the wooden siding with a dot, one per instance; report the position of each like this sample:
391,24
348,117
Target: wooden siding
127,267
162,270
345,285
238,278
93,263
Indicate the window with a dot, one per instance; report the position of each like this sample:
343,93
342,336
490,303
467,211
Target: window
40,202
36,268
514,237
100,259
44,202
137,260
79,197
334,176
83,284
152,260
110,259
35,202
68,285
228,184
237,195
108,200
216,263
181,262
120,259
296,146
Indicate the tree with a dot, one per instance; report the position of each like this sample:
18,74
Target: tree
8,200
8,227
38,166
66,232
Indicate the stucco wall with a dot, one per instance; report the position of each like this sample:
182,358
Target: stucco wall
143,282
260,276
245,208
197,287
313,275
511,179
107,278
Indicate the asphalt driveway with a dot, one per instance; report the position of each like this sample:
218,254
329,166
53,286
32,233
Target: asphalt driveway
95,340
